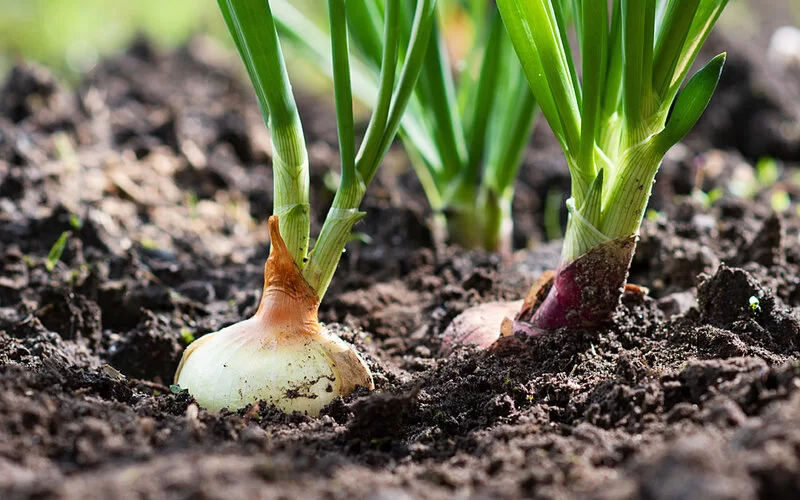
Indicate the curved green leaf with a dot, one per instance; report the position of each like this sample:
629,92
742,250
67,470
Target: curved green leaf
692,101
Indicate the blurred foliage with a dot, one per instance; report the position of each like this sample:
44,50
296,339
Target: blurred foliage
757,19
71,35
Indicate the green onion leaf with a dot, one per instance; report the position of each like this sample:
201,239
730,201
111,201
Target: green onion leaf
252,27
342,89
692,101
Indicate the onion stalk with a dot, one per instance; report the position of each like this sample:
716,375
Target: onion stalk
615,125
465,130
283,355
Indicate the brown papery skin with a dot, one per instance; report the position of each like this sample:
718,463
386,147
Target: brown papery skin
287,300
583,293
289,304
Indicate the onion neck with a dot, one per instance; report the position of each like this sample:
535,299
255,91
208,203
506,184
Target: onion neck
583,293
288,302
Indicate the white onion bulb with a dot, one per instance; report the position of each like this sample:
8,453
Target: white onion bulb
282,355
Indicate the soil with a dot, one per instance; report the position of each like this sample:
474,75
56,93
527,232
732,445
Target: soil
156,167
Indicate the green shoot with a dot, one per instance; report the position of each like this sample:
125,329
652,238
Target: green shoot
767,171
75,222
187,336
254,29
780,201
465,131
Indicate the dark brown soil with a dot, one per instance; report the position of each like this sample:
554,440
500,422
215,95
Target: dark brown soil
158,167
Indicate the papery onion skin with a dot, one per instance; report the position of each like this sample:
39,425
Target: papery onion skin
232,368
479,326
582,294
282,355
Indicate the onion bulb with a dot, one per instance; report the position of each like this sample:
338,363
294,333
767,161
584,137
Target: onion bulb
282,355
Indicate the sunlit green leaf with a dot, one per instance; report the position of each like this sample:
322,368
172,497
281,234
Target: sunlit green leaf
692,101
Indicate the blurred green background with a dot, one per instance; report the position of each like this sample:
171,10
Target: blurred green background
71,35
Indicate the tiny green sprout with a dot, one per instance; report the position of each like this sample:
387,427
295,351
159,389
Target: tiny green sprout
767,171
30,263
187,336
75,222
54,255
706,199
652,215
755,304
74,276
148,244
715,195
176,389
780,201
191,204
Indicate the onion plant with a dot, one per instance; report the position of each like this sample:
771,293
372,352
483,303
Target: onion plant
615,120
465,131
283,355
